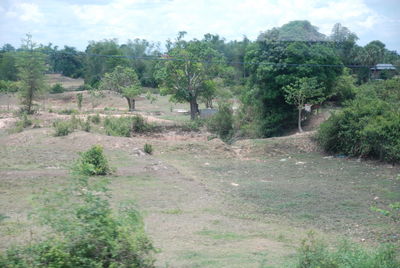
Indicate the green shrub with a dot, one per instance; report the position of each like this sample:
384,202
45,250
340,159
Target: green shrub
369,126
222,122
68,111
313,253
96,119
148,148
85,125
85,232
62,128
93,162
57,88
125,126
192,125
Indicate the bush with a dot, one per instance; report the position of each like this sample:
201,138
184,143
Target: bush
85,233
125,126
96,119
222,122
192,125
93,162
313,253
148,148
68,111
62,128
369,126
57,88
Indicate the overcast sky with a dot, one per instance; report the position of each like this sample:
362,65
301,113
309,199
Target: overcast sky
75,22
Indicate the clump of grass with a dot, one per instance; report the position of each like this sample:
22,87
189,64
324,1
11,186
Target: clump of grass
57,88
313,253
68,111
148,148
95,119
125,126
62,128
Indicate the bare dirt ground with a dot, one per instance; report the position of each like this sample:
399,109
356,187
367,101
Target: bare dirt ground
205,203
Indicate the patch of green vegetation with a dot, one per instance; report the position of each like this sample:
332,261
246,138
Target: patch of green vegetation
68,111
176,211
221,235
315,253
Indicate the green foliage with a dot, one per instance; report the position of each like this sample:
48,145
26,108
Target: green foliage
95,119
62,128
124,81
125,126
222,122
189,79
392,211
57,88
298,30
85,232
79,98
8,66
96,67
269,75
369,126
193,125
68,111
7,87
304,90
148,148
92,162
31,68
313,253
344,88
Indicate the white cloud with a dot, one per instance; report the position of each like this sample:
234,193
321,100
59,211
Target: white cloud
26,12
157,20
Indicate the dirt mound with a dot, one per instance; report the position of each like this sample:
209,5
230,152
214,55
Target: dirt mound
296,143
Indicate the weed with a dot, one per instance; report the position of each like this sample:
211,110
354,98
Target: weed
313,253
96,119
148,148
68,111
125,126
57,88
62,128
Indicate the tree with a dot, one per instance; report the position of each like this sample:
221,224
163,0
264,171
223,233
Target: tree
304,90
124,81
98,60
185,76
298,30
31,67
276,64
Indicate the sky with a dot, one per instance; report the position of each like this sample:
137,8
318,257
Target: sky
76,22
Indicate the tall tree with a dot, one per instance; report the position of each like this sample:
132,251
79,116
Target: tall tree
124,81
31,67
187,70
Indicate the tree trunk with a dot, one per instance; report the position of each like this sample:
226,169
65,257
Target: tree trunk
131,104
299,122
194,109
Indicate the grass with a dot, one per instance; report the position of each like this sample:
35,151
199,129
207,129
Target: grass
193,210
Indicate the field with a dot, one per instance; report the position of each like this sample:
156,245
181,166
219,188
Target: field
205,203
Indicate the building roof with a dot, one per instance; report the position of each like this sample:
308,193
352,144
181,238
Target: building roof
384,66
